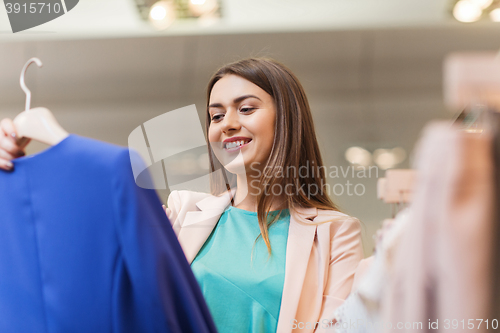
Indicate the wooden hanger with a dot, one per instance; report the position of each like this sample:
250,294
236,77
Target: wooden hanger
38,124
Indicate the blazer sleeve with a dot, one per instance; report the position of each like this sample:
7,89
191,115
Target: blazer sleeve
346,253
154,287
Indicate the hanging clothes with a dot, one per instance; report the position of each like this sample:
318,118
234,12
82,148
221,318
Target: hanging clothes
83,249
442,267
360,313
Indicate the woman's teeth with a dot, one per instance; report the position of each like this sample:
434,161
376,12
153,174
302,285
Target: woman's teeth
235,144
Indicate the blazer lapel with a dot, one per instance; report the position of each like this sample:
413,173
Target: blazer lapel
198,225
301,236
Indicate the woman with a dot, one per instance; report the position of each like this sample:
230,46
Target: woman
270,250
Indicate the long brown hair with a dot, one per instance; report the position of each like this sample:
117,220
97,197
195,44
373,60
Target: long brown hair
294,145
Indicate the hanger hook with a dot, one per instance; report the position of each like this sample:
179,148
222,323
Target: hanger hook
23,84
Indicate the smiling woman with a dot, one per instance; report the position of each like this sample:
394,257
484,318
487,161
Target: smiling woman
266,260
269,254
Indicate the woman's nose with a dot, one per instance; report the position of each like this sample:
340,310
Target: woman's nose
231,121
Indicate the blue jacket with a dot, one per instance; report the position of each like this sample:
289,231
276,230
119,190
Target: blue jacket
84,249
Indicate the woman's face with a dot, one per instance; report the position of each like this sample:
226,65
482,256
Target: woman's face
242,121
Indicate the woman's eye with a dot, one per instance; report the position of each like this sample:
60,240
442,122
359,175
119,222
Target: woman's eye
246,109
217,117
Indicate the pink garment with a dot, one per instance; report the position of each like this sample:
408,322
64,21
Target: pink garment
363,267
442,266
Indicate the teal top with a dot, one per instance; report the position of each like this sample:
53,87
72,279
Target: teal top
241,283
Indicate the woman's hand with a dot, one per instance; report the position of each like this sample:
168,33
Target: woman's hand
10,146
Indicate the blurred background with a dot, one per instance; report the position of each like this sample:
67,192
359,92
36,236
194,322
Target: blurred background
372,69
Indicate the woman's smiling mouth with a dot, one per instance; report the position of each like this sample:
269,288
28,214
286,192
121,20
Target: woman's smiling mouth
233,144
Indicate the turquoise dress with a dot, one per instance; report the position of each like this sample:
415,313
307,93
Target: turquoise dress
241,283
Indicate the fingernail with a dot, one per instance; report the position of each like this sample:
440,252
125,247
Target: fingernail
9,165
13,134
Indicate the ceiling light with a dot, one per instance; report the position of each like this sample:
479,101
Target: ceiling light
495,15
158,13
384,158
467,11
389,158
358,156
162,14
399,154
482,3
202,7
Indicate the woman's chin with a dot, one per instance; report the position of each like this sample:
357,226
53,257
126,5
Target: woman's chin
236,167
234,163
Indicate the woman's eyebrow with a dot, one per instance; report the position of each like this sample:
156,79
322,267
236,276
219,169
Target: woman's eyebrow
235,101
215,105
241,98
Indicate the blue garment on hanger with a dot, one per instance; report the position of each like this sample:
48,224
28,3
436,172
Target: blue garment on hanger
84,249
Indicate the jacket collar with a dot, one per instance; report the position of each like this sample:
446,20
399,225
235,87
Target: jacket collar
306,215
198,225
201,223
219,203
216,202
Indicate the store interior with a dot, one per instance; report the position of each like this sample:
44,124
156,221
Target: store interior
372,70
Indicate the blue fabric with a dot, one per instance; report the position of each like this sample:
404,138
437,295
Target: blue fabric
241,283
83,249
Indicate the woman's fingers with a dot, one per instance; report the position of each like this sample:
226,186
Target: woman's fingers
6,165
5,162
8,128
8,139
165,209
4,155
9,147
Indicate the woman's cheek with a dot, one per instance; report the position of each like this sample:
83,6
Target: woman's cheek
212,136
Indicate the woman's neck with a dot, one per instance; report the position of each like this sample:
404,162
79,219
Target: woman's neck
247,193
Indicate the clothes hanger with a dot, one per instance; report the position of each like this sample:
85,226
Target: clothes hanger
472,84
38,124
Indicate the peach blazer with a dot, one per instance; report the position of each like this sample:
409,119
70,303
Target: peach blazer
323,251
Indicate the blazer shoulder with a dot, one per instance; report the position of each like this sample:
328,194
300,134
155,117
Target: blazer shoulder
344,232
338,223
334,216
